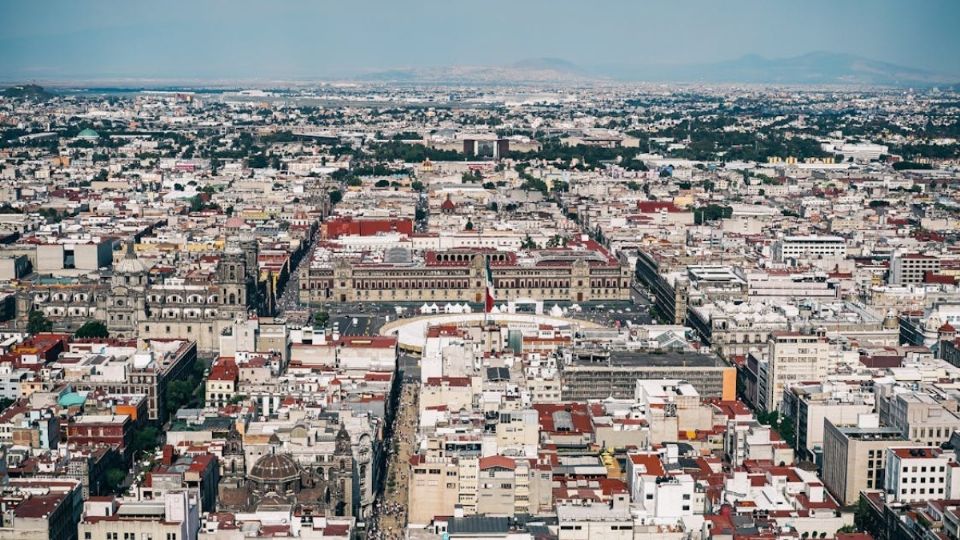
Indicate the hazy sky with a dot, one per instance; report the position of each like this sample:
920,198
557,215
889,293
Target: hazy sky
271,39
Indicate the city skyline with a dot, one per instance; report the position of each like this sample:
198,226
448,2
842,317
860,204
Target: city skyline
296,40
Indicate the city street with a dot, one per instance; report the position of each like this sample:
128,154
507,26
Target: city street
390,510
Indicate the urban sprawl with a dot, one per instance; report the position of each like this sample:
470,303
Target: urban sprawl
355,311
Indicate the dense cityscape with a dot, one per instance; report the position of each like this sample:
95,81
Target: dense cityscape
479,310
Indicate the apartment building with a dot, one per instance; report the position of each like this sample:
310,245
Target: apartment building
589,373
920,417
920,473
792,358
178,513
809,404
910,268
854,456
596,520
809,247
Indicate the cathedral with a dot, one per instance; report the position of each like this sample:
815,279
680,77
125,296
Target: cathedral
131,305
277,481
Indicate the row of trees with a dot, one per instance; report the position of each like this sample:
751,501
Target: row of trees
38,322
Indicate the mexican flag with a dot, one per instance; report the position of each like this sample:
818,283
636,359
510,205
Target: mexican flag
488,302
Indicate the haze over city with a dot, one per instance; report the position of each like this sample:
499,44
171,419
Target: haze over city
498,270
300,39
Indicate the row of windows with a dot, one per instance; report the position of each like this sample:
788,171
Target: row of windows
87,535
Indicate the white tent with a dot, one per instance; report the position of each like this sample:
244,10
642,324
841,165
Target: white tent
424,309
556,311
467,308
434,308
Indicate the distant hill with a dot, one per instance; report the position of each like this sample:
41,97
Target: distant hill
558,65
26,91
813,68
529,70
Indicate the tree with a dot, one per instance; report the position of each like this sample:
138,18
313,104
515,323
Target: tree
179,393
382,183
354,181
92,329
114,478
335,196
417,185
711,212
528,243
320,319
469,226
37,322
145,439
258,161
879,203
419,214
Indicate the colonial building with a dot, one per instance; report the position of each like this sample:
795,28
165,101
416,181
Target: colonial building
582,273
277,481
133,306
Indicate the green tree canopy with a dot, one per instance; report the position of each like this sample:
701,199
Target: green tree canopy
37,322
92,329
114,478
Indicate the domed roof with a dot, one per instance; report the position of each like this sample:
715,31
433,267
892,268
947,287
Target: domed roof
275,468
130,263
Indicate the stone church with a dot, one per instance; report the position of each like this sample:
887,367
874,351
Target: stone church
276,481
133,306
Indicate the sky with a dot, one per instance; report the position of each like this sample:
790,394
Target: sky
92,40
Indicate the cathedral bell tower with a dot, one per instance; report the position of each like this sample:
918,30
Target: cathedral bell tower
232,278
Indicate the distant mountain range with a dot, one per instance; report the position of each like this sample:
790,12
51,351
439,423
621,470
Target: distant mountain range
530,70
816,68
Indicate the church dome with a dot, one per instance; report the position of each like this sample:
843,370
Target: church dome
130,264
274,468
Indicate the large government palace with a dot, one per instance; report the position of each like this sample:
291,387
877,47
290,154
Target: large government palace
582,274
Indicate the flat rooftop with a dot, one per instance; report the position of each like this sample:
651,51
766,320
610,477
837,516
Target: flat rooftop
642,359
